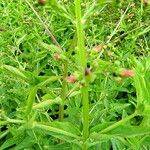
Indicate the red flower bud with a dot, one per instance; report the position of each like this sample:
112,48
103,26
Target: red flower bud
126,73
145,2
42,2
71,79
98,48
87,72
57,56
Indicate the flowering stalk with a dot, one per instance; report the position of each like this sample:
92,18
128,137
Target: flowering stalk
83,62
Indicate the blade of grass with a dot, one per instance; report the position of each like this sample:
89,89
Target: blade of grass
117,26
43,24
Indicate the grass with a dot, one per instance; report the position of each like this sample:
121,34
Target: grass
74,75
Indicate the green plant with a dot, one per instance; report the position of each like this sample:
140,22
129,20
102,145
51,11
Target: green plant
74,75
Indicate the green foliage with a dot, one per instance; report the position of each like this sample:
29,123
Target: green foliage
98,107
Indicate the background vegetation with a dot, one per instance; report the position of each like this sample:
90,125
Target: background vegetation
87,90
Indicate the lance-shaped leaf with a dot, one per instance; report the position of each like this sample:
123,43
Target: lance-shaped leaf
51,48
93,8
60,9
47,81
32,94
31,99
45,103
9,142
123,131
16,72
57,132
109,126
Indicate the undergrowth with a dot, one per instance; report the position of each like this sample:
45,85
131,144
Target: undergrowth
75,75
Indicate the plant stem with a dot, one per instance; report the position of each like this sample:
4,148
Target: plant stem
85,102
83,62
64,84
80,35
63,93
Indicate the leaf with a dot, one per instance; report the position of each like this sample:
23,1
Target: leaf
117,145
3,133
140,83
16,72
32,94
60,10
117,124
27,142
48,96
56,132
20,40
62,146
3,123
146,110
66,126
101,126
9,142
40,56
50,79
130,131
94,7
51,48
122,131
46,103
30,100
100,137
15,140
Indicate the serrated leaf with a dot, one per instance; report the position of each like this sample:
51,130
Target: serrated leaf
51,48
16,72
40,56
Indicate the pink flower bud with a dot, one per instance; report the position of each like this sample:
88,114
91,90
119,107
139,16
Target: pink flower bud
126,73
56,56
145,2
98,48
71,79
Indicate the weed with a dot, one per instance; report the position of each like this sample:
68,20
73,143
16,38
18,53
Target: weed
74,75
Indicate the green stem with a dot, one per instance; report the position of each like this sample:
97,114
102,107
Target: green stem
142,2
83,62
80,35
85,102
63,93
